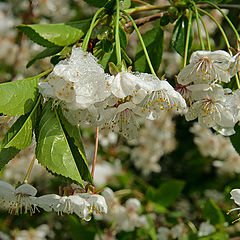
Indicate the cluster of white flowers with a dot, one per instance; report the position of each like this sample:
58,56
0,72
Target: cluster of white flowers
213,105
125,218
89,95
23,199
105,171
152,144
217,147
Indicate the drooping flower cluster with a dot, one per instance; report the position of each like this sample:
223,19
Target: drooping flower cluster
152,145
23,199
213,105
227,160
88,95
125,218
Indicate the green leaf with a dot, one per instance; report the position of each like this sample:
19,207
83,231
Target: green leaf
213,213
55,148
96,3
126,57
108,57
216,236
61,34
235,138
20,134
179,35
77,229
123,38
151,229
45,53
19,97
126,4
153,40
75,133
168,192
6,155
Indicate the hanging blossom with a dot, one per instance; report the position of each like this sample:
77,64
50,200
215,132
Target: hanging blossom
135,95
207,67
88,95
19,200
125,217
213,108
82,204
235,195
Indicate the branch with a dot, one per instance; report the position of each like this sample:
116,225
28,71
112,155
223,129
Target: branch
141,21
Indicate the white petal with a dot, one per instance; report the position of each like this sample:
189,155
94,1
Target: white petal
26,189
235,195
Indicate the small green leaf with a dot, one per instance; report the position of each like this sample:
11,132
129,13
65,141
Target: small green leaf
45,53
55,148
61,34
126,57
20,134
126,4
123,38
153,40
168,192
108,57
96,3
6,155
78,229
19,97
179,35
213,213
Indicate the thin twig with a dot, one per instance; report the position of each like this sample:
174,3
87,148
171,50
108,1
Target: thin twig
141,21
95,152
223,6
141,2
29,169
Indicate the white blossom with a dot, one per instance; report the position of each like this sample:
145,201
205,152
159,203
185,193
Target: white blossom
19,200
207,67
96,201
79,81
210,109
66,204
205,229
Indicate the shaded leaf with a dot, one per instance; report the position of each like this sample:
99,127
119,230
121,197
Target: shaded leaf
123,38
213,213
6,155
45,53
108,57
179,35
19,97
20,134
55,148
61,34
153,40
78,229
75,133
168,192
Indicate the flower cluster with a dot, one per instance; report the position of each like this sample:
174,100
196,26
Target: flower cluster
89,95
23,199
152,144
126,218
217,147
213,105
